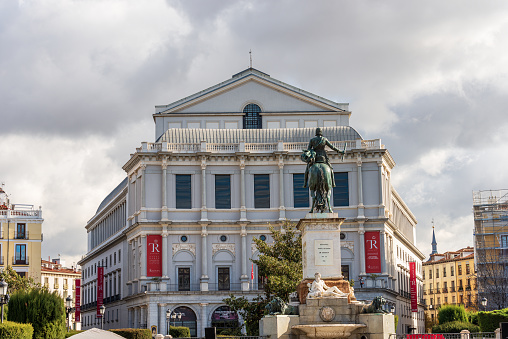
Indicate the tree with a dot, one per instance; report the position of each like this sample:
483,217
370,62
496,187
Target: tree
16,282
281,261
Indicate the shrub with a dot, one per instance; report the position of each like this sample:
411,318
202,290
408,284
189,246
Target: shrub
489,321
472,317
449,313
133,333
12,330
455,327
179,332
43,309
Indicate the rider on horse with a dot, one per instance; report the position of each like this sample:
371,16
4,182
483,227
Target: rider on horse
318,145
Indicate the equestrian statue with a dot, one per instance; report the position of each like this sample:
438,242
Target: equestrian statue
319,173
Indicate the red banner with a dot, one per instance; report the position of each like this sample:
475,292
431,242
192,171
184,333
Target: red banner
372,252
412,287
77,303
100,289
154,255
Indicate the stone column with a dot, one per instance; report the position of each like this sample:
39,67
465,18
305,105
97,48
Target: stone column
361,213
152,316
204,320
361,232
204,215
143,193
143,316
381,187
243,209
143,256
282,209
244,278
164,253
204,263
164,197
162,327
382,250
136,317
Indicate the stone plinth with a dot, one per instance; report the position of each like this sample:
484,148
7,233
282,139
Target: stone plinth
379,325
277,326
344,311
321,245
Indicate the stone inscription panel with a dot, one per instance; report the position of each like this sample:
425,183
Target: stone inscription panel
323,252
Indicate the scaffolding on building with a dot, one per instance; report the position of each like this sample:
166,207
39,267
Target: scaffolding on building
490,209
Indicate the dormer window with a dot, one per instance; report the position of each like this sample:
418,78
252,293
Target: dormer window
252,117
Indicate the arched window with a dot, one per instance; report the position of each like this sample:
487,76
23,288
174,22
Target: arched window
252,118
184,316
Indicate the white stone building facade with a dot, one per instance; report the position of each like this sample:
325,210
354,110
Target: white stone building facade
224,165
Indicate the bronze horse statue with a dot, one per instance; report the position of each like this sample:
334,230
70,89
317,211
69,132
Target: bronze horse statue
320,182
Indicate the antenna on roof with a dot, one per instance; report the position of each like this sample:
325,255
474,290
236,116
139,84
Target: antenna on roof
250,56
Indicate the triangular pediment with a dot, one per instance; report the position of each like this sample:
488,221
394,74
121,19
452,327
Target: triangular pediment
253,87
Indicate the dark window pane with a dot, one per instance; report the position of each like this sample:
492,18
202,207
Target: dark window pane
252,118
261,191
183,278
345,271
183,191
300,194
341,189
223,278
223,191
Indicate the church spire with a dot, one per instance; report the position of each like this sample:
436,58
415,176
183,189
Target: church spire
434,242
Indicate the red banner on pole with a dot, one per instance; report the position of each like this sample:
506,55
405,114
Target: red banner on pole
412,287
100,289
77,303
154,255
372,252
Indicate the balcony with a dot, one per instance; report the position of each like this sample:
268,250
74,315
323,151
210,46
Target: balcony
468,288
460,289
56,286
431,291
452,289
445,290
438,291
18,261
21,235
65,287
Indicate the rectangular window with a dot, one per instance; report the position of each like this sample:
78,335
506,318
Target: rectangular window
20,231
423,272
452,271
261,191
467,269
345,271
341,189
300,193
20,258
223,278
119,256
223,191
444,272
430,273
437,272
184,278
183,191
460,269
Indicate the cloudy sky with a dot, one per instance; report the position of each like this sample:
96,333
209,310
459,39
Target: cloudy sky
79,81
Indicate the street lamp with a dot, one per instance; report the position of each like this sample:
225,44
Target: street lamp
102,309
484,303
392,309
68,310
4,297
168,314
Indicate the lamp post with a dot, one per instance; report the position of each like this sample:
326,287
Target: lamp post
68,310
102,309
484,304
4,297
168,314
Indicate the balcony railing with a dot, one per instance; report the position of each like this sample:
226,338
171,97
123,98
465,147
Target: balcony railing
21,235
460,289
468,288
65,287
56,286
18,261
445,290
431,291
251,147
452,289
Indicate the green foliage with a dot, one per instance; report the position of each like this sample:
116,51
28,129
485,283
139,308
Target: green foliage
250,311
396,320
12,330
229,332
489,321
179,332
17,283
43,309
455,327
133,333
71,333
449,313
428,323
281,261
472,317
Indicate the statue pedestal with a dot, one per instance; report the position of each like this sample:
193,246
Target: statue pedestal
321,245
